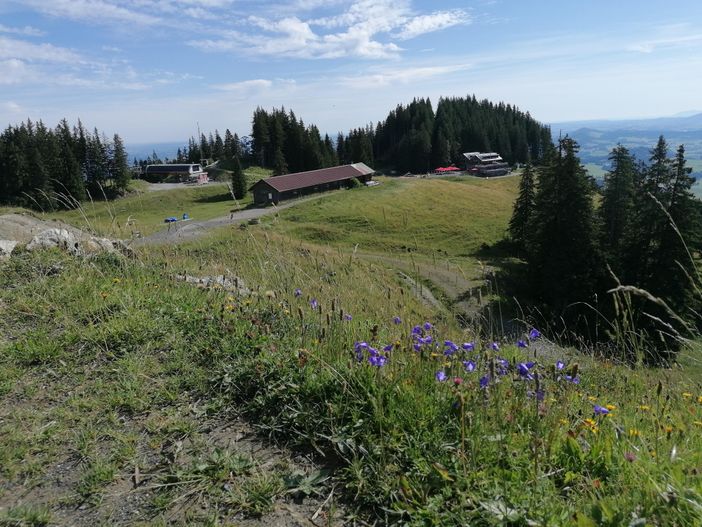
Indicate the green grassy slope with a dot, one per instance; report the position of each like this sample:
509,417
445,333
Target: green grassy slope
121,349
422,215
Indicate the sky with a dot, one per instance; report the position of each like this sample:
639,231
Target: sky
152,70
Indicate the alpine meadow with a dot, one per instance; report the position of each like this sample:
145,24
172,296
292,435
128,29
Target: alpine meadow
452,313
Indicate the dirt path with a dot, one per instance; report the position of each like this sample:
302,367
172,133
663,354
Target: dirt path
188,230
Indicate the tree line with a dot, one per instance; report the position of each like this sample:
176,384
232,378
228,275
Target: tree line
412,138
38,164
581,257
45,168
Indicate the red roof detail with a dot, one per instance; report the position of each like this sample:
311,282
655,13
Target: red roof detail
312,178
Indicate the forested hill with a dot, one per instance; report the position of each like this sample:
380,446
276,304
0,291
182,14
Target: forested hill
412,138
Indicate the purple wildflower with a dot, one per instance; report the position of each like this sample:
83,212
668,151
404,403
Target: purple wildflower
495,346
416,330
388,348
377,360
484,381
298,292
574,380
428,326
522,343
468,346
397,320
534,334
450,348
469,365
539,394
523,370
348,317
503,366
600,410
440,376
313,303
417,347
560,365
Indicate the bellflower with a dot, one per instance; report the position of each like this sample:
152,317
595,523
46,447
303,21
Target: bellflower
440,376
468,346
522,343
313,303
397,320
600,410
534,334
428,326
469,365
484,381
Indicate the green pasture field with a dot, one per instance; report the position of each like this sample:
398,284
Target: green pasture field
119,383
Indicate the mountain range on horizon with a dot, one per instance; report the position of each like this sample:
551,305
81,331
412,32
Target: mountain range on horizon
689,121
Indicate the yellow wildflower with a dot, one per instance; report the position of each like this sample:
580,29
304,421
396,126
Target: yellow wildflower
116,280
644,408
564,422
687,395
592,398
668,429
699,399
610,407
633,432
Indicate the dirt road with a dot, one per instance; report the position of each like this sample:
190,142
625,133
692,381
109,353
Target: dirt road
188,230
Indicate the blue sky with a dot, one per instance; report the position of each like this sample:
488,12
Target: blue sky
150,70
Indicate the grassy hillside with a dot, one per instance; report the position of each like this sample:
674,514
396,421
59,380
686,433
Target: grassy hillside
452,216
118,382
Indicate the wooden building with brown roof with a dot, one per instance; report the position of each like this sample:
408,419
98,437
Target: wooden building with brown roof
278,188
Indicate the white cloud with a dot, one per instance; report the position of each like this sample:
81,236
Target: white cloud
11,48
649,46
420,25
250,85
15,71
365,29
401,76
12,107
94,11
26,31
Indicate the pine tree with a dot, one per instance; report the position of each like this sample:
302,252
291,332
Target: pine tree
280,167
119,167
617,206
563,255
523,210
217,147
239,187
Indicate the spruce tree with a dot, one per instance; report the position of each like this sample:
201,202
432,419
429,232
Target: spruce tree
523,210
666,224
239,187
119,168
617,206
280,167
563,256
